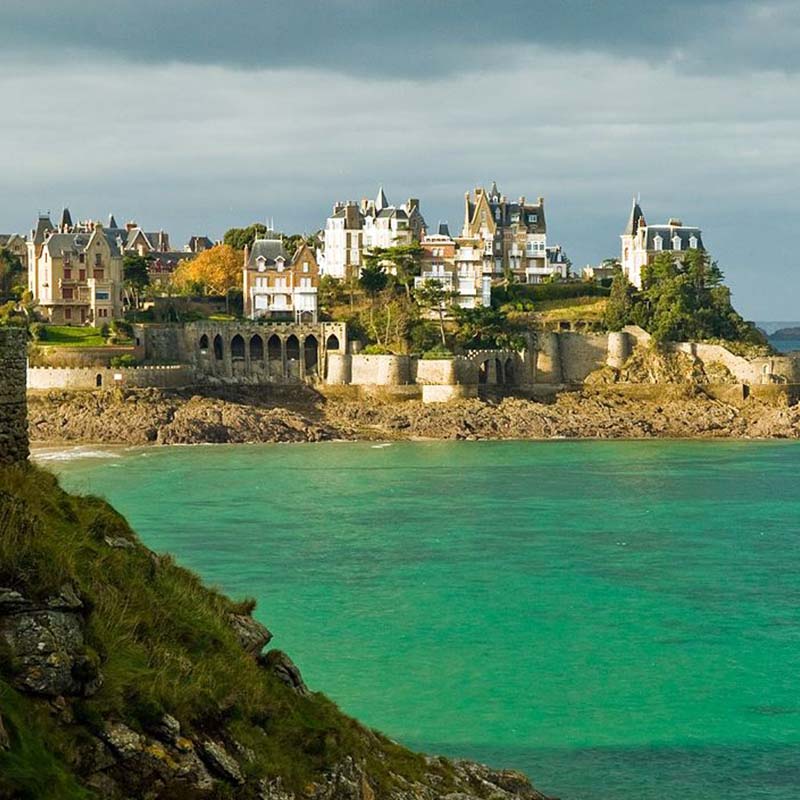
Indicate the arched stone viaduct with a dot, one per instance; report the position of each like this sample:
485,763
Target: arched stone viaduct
263,352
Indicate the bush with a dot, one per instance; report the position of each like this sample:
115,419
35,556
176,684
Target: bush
38,332
104,330
522,292
124,361
376,350
436,353
122,328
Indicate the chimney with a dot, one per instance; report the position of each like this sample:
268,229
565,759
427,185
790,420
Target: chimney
541,201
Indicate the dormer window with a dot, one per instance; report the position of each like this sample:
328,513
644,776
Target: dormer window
497,213
279,263
261,262
658,242
533,217
693,242
676,242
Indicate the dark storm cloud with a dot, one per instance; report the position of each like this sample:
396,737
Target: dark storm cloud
415,38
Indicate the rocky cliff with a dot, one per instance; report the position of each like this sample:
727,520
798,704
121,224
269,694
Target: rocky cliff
122,676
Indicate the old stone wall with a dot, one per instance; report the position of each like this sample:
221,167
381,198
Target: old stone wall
581,354
163,377
13,404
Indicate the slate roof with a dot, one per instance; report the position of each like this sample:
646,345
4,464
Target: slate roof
269,249
444,229
636,217
668,232
43,226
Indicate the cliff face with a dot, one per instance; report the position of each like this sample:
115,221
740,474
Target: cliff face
122,676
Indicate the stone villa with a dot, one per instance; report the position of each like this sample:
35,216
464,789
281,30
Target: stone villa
276,286
641,242
75,271
500,235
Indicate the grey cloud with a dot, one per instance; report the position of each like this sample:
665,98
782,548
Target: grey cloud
416,38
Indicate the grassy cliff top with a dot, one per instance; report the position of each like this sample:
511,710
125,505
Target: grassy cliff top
137,669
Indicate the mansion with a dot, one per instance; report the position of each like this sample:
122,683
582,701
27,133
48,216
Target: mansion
641,242
356,228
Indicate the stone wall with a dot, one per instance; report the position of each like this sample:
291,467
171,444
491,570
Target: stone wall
381,370
87,378
581,354
13,404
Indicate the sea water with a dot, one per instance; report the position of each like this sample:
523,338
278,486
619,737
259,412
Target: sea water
618,619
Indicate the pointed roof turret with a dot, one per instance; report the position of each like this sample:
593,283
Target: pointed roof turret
66,219
112,223
380,201
635,220
494,192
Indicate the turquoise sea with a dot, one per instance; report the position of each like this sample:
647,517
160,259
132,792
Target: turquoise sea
618,619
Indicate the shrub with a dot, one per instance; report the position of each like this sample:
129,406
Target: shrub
376,350
124,361
38,332
436,353
121,327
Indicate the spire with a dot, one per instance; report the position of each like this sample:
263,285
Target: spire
380,201
112,223
636,219
66,219
494,192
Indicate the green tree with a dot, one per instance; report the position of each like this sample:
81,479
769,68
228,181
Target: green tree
433,296
239,238
373,280
405,261
11,272
620,303
136,277
485,328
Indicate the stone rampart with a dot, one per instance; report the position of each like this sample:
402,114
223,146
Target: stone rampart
381,370
581,354
87,378
13,403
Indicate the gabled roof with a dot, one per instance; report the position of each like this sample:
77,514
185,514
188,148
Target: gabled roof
66,219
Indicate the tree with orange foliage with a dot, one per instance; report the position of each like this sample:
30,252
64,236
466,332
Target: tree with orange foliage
214,271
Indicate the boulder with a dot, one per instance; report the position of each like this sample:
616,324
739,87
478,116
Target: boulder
252,635
220,761
285,670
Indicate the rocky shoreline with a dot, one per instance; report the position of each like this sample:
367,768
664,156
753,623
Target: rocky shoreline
250,415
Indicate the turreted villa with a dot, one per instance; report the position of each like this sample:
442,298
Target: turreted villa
641,242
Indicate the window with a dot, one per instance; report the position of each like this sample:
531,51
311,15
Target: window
305,283
98,259
67,274
66,293
102,296
102,312
98,274
497,213
82,258
657,242
533,217
67,313
693,242
305,266
515,217
676,242
81,274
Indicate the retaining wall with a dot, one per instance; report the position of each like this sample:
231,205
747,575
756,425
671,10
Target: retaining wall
101,377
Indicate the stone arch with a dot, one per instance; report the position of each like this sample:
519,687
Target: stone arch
508,370
332,343
311,352
203,343
293,348
274,348
498,370
98,380
219,348
237,348
256,348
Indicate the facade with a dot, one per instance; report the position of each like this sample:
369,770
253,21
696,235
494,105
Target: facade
641,242
278,287
504,236
75,272
356,228
470,287
16,245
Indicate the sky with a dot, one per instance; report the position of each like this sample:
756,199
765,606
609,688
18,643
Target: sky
195,116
